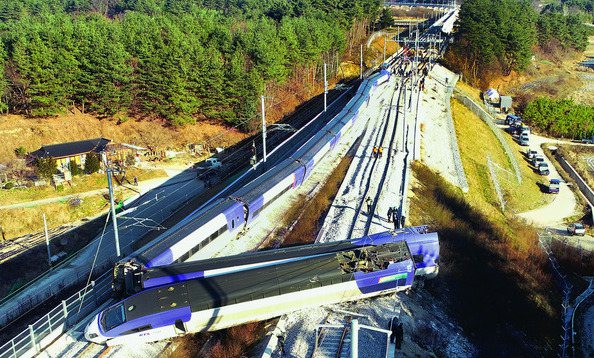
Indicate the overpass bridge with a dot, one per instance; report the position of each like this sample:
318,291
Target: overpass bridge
448,4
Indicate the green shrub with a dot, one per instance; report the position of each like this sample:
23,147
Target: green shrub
20,152
9,185
561,118
92,163
45,167
74,168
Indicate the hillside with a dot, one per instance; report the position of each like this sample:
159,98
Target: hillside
179,61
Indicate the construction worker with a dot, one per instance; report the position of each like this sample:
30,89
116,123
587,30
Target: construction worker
390,211
375,152
369,202
380,151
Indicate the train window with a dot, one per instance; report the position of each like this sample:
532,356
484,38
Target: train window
418,258
113,317
233,224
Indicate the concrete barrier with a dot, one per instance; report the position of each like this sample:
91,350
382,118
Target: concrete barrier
581,183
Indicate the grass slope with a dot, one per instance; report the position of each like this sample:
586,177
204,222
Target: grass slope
493,276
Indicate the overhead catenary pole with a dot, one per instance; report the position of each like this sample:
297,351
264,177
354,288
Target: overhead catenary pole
361,63
325,89
355,338
114,221
263,132
49,254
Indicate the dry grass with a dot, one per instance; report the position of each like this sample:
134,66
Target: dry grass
79,185
577,156
476,141
493,277
311,216
18,222
30,133
590,49
573,259
470,91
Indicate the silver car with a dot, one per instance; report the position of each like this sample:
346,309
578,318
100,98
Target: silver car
576,229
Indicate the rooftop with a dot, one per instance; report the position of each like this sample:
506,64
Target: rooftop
69,149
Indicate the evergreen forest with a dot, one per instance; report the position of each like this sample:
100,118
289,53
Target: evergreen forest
496,38
180,60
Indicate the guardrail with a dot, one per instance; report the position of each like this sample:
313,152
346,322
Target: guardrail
57,321
487,118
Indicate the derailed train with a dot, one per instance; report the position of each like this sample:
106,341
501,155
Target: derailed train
218,293
228,216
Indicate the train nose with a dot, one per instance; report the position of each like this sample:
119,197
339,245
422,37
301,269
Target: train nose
92,333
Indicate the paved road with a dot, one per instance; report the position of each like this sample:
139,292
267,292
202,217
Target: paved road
563,206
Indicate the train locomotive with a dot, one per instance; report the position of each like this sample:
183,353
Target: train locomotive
218,293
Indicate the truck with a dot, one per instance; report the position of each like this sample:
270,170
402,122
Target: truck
512,119
554,186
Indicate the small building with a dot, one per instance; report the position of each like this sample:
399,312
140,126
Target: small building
506,103
76,152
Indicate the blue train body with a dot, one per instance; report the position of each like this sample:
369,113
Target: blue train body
221,292
228,216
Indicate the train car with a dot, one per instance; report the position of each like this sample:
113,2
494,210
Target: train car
227,217
257,286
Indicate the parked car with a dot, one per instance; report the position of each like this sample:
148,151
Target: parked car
531,153
514,128
554,186
524,139
538,158
512,118
576,229
543,168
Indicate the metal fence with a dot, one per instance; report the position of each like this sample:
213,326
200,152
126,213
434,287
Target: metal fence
57,321
566,338
487,118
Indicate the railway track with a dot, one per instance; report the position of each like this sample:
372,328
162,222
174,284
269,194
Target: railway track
384,136
14,247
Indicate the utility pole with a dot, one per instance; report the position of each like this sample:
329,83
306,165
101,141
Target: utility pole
263,131
108,171
361,64
49,254
385,40
325,88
